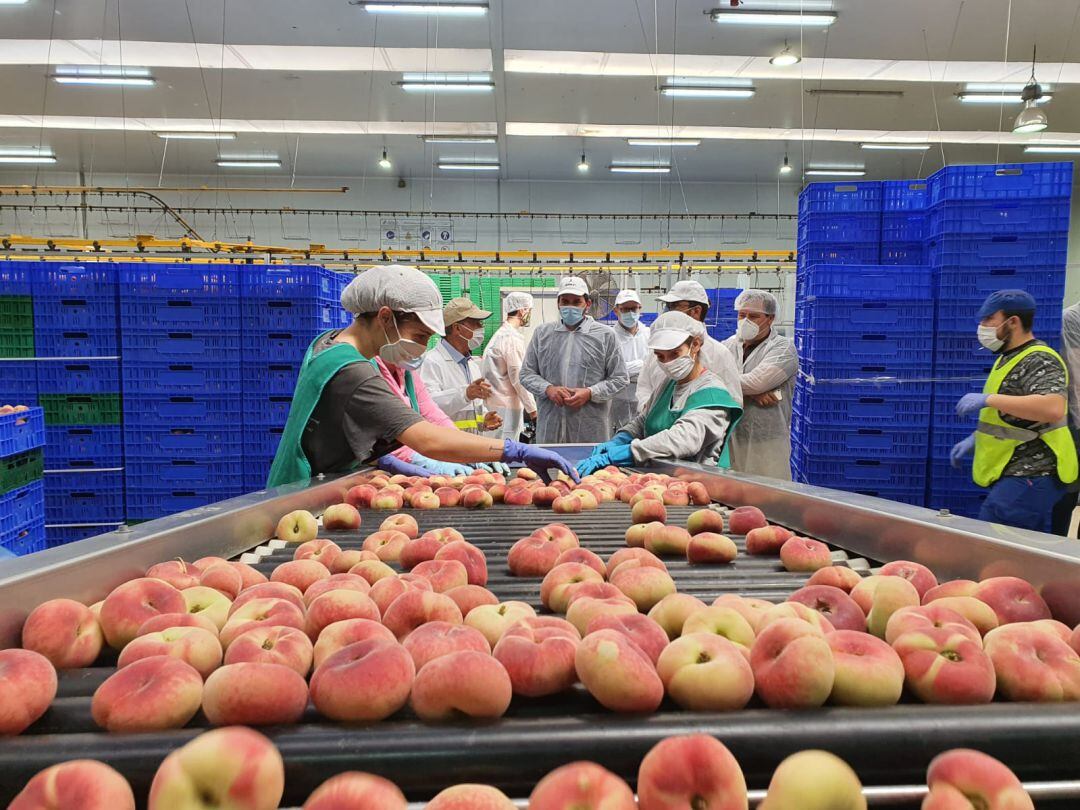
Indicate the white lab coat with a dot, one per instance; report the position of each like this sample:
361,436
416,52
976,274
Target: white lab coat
501,365
635,350
715,357
761,442
446,381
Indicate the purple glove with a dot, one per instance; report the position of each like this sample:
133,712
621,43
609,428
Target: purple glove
537,459
971,404
395,466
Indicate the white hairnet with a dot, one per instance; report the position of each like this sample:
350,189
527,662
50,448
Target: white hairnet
403,289
515,301
673,329
756,301
627,295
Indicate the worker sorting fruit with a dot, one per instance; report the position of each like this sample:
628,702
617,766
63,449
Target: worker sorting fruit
690,417
344,414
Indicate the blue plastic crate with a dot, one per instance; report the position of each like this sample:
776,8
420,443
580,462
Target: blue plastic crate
844,227
825,253
855,316
75,341
261,441
873,282
862,354
75,298
83,447
978,251
256,472
1004,217
905,405
184,473
26,539
266,409
846,472
169,409
1005,181
904,226
59,280
179,312
78,376
22,431
961,318
829,198
63,534
172,346
908,495
289,281
962,352
18,382
84,496
944,437
859,442
278,378
182,378
194,440
279,314
22,506
907,253
204,280
904,195
267,345
960,295
17,278
149,504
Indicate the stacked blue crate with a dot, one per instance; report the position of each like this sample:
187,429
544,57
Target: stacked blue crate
283,309
18,369
989,228
181,348
76,337
22,499
721,320
904,221
839,223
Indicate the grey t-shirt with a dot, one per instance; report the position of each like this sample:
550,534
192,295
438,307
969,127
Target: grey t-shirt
357,418
1038,373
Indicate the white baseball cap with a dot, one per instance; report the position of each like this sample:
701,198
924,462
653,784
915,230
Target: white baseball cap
685,291
402,288
627,295
673,329
572,285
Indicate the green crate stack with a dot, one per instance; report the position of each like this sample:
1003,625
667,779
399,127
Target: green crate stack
486,293
21,469
81,409
16,326
450,286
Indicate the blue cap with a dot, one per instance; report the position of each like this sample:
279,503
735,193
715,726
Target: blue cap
1007,301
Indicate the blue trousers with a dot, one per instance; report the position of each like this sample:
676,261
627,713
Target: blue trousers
1026,503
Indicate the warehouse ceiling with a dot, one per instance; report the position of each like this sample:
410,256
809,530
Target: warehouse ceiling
316,86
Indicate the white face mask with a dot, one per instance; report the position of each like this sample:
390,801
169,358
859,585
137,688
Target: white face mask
747,330
629,318
679,368
401,352
475,340
988,338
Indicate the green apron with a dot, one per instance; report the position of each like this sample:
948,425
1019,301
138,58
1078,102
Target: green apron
662,415
290,463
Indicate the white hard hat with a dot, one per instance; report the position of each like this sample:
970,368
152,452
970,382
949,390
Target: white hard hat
627,295
403,289
515,301
572,285
685,291
673,329
756,301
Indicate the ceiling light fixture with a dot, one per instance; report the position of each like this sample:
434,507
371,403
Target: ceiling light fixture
13,2
384,161
447,82
826,171
785,167
583,166
639,168
103,76
1031,118
663,142
708,88
895,147
460,139
249,163
796,19
460,166
196,136
445,9
786,58
27,155
1051,149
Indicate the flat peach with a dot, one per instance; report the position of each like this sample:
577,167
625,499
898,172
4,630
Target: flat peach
132,603
469,556
336,582
342,634
151,694
337,606
617,673
706,672
649,636
582,785
693,770
193,645
300,573
673,610
470,797
79,784
363,682
273,645
414,608
467,683
29,687
64,631
253,694
793,665
434,639
354,790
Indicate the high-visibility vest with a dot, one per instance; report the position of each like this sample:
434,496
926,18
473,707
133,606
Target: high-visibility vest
996,440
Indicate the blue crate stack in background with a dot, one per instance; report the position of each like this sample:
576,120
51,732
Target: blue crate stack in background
860,416
22,494
989,228
722,318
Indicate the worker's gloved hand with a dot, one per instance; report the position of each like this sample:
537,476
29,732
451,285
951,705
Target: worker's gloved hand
495,467
618,440
970,404
537,459
621,456
440,467
395,466
962,450
587,466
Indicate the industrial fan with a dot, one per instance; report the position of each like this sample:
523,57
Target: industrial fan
603,288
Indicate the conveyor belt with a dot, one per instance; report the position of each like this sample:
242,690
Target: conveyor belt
887,747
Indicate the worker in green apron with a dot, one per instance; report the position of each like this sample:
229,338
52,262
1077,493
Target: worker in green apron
689,418
343,413
1024,452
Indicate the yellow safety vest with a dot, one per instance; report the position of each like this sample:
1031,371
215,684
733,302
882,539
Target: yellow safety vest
996,440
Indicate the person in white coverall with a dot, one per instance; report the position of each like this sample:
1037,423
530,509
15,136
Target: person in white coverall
501,365
690,297
633,339
761,442
452,374
574,368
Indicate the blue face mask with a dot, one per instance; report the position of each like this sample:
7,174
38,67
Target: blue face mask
629,319
571,316
413,365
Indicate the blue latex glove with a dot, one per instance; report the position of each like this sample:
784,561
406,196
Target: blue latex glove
395,466
440,467
495,467
621,456
587,466
618,440
971,404
537,459
962,450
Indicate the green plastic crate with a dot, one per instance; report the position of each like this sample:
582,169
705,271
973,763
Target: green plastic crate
486,293
21,469
16,326
81,409
451,285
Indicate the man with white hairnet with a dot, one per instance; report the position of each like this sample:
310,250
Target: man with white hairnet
343,413
502,362
761,443
690,298
574,368
633,339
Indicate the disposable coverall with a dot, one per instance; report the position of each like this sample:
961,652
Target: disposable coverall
501,366
635,349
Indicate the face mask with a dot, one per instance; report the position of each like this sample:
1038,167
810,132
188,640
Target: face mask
476,339
629,319
401,352
988,338
413,365
571,316
526,318
747,330
678,368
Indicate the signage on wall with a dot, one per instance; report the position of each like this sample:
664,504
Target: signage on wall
414,234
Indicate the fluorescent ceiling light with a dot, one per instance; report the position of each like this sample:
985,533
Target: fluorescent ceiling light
897,147
249,163
459,166
196,136
824,171
13,2
447,82
460,139
458,9
816,19
685,89
639,168
998,93
663,141
103,76
26,155
1050,149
